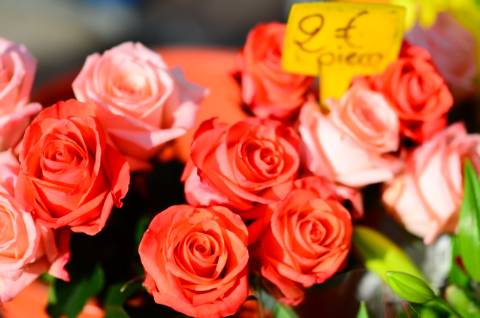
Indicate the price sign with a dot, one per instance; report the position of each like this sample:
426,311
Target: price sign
340,40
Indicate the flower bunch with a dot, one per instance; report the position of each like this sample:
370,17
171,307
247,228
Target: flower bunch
69,169
270,199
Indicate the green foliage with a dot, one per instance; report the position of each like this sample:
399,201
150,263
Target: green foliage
380,255
68,299
362,311
410,288
282,311
462,301
468,236
457,275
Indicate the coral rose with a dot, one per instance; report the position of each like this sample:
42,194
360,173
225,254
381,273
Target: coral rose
306,242
426,197
69,174
417,92
267,89
259,218
27,249
351,144
195,260
253,161
17,69
453,52
142,103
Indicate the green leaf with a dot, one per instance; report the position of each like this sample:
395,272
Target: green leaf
380,255
468,237
115,312
462,302
427,312
118,293
410,288
69,298
141,227
362,311
282,311
457,275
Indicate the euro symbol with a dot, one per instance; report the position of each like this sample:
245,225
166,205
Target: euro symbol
344,33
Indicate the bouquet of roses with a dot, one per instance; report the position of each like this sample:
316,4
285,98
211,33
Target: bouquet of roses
254,211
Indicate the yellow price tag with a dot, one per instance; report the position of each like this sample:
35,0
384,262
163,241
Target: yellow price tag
339,41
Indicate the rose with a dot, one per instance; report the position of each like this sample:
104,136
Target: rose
8,171
416,91
253,161
69,174
351,145
306,242
260,217
195,260
426,196
17,69
453,51
27,249
142,103
267,89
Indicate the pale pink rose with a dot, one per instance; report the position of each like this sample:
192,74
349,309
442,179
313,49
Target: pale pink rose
9,168
27,249
351,144
143,103
426,196
17,69
452,49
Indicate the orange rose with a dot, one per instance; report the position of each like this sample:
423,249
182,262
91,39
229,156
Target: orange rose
69,174
195,260
307,241
322,187
416,91
267,89
251,162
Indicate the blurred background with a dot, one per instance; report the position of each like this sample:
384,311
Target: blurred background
60,33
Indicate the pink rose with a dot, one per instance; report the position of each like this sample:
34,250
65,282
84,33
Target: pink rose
251,162
452,49
143,104
9,169
27,249
351,144
426,196
17,69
